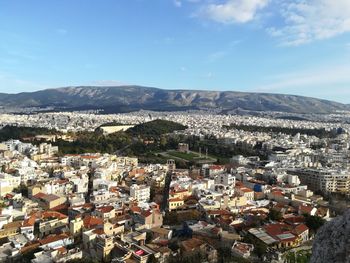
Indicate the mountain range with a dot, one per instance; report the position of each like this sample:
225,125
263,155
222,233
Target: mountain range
131,98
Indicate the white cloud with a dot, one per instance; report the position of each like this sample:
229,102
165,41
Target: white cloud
307,21
233,11
177,3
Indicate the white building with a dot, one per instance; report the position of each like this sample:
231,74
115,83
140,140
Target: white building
226,179
8,183
141,193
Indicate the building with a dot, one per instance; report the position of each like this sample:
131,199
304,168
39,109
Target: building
8,183
183,147
242,249
175,203
225,179
141,193
327,181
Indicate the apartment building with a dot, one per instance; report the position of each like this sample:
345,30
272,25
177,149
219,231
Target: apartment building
327,181
141,193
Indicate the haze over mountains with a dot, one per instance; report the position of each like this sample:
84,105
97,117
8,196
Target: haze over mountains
130,98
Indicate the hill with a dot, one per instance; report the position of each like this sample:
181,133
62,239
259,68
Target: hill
133,98
155,128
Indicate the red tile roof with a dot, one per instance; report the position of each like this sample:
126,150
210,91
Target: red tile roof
53,238
175,200
54,214
305,209
299,229
105,209
92,221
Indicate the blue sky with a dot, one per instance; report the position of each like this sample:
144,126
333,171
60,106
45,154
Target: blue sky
281,46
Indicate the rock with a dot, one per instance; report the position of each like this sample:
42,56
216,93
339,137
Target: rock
332,242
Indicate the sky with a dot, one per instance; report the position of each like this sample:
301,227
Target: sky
297,47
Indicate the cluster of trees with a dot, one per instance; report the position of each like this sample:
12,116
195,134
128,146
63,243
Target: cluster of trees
14,132
94,142
303,256
274,215
155,128
313,222
320,133
131,142
128,143
219,149
177,218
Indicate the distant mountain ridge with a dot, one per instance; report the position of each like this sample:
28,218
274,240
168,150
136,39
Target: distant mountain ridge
131,98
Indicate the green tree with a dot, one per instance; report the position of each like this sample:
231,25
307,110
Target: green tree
152,259
313,222
274,215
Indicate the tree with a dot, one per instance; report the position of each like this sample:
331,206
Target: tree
23,189
274,215
152,259
149,236
314,222
171,218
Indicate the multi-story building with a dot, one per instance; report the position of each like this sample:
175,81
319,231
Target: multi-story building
8,183
327,181
141,193
225,179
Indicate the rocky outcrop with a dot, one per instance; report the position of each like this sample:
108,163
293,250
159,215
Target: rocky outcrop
332,242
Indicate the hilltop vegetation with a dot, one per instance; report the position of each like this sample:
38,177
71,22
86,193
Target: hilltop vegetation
18,133
144,141
155,128
111,143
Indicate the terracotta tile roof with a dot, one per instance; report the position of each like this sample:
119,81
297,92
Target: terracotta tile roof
9,196
136,209
192,244
281,232
246,190
54,214
29,222
299,229
14,224
305,209
216,167
277,193
175,200
295,220
92,221
30,246
146,213
46,197
61,250
99,231
105,209
53,238
219,212
39,195
61,207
